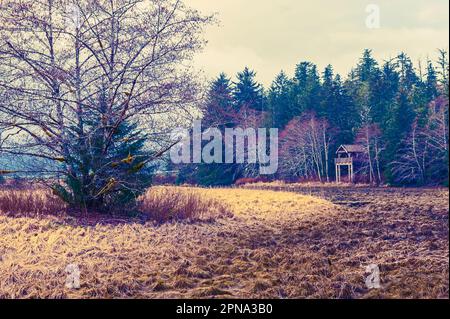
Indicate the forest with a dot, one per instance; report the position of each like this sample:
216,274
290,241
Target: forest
397,110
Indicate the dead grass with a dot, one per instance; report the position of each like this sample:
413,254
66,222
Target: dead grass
277,245
31,202
159,204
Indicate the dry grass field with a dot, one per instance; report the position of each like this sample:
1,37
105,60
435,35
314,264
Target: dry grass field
258,243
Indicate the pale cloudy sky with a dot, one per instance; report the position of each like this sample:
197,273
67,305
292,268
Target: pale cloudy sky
271,35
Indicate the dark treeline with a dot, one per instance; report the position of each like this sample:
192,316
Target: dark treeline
397,110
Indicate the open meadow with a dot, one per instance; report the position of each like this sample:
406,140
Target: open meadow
246,243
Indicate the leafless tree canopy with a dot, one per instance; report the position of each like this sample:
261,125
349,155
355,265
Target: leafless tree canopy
425,148
305,148
370,136
64,62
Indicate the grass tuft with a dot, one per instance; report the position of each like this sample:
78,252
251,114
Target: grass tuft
166,204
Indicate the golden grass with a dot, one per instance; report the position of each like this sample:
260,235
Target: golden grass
277,245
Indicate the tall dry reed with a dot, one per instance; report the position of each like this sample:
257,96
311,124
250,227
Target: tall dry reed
163,204
30,202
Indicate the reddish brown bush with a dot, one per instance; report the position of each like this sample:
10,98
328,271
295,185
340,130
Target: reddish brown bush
31,202
164,179
251,180
15,184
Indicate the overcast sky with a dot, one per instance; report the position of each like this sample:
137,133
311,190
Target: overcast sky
274,35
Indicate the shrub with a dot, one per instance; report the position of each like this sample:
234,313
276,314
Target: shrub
249,180
177,204
18,183
164,179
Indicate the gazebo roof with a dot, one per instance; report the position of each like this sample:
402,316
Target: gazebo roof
352,148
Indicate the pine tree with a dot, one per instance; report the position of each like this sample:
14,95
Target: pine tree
327,105
306,89
341,113
279,101
248,93
220,112
368,76
387,92
219,107
443,72
408,76
367,68
103,180
431,82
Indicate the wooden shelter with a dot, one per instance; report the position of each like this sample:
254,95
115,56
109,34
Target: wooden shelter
348,156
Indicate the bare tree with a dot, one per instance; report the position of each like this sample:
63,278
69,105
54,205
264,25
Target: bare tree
424,155
305,147
294,152
436,129
370,136
411,164
73,73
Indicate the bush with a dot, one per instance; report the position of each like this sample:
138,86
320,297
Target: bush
164,179
250,180
178,204
16,183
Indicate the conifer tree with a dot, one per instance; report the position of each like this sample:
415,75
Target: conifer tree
280,101
306,89
104,181
248,93
219,108
219,112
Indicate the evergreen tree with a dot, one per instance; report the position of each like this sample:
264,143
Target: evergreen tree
408,76
443,72
219,107
368,76
431,82
387,92
327,94
220,112
367,69
306,89
279,101
103,180
248,93
342,113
